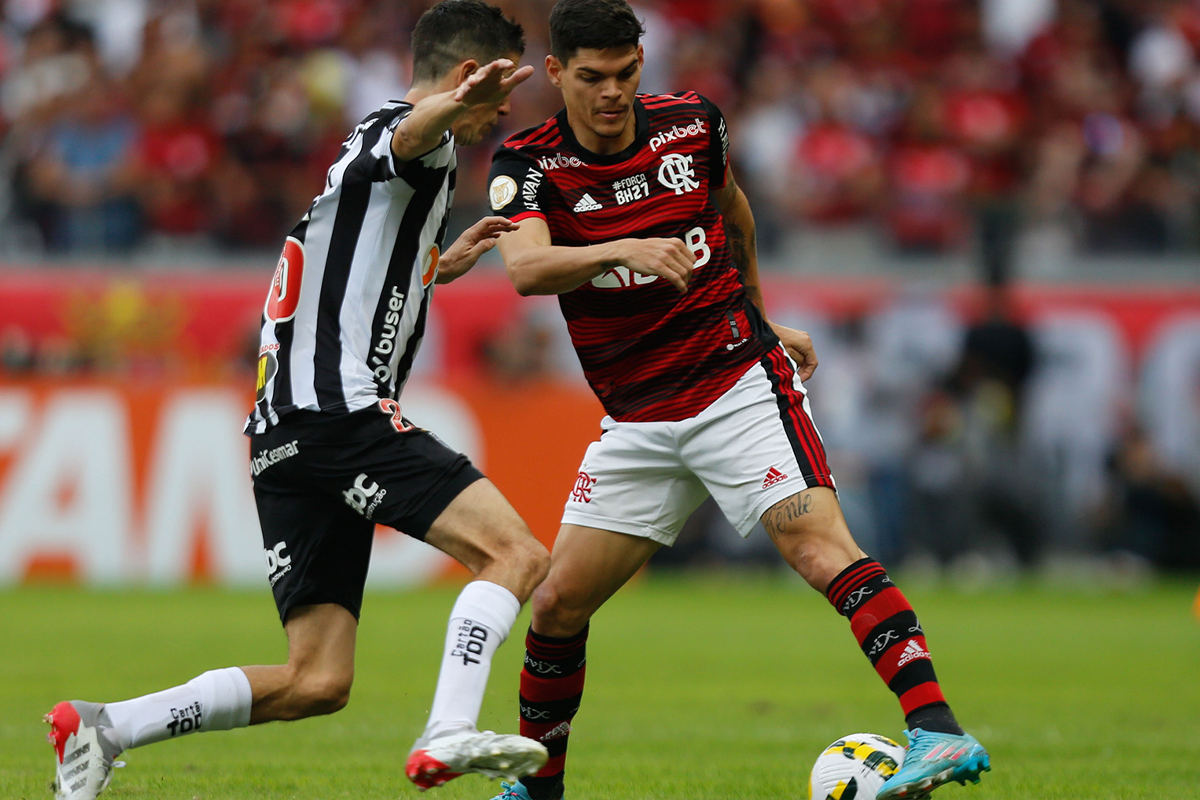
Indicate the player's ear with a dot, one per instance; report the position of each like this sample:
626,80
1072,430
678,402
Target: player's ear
464,70
641,56
554,71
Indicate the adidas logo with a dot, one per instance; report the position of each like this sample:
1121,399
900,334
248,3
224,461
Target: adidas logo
774,476
912,651
587,203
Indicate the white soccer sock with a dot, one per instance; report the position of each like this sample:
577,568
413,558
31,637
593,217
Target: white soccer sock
480,622
217,700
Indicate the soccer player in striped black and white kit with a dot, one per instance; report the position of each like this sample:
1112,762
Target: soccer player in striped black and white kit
630,214
331,452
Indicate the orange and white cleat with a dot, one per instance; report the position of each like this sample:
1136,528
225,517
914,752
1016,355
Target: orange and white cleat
493,755
84,753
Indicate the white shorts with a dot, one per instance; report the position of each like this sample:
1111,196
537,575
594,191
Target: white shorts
754,446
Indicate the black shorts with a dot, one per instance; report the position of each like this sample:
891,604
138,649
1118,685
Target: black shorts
323,481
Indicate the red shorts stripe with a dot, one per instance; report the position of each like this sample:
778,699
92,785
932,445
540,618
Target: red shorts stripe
921,695
803,423
783,381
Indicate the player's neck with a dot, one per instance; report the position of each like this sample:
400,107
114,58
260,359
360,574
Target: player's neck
602,145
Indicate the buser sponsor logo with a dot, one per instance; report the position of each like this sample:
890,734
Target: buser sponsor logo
387,337
676,132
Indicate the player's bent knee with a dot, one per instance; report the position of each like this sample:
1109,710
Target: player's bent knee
521,559
535,562
558,614
816,559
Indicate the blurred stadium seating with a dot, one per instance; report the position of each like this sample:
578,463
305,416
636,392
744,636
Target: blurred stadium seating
899,154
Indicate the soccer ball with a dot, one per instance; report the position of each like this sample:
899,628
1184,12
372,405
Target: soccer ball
854,767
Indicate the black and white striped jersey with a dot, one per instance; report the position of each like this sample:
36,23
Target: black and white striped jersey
350,297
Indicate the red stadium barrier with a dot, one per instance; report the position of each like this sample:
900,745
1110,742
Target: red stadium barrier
108,481
134,468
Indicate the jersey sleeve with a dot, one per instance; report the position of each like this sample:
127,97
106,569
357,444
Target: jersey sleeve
516,186
718,147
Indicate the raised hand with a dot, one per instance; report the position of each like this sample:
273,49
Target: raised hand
491,83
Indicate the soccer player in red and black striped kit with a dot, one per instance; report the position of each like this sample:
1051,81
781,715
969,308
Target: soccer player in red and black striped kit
629,212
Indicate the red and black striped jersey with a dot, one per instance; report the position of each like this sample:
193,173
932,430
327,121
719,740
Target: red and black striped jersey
649,352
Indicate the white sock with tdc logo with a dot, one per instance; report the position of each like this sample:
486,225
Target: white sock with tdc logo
217,700
481,620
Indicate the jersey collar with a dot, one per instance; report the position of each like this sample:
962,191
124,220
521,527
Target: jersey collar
641,135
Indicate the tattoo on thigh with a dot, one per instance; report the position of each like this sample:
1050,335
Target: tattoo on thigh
786,511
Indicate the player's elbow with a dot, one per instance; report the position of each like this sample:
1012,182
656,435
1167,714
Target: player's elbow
524,280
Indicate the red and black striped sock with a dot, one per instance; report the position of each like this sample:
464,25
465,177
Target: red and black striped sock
891,637
551,690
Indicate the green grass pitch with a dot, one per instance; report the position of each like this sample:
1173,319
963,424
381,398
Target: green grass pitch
704,688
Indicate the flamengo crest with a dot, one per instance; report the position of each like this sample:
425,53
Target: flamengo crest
676,173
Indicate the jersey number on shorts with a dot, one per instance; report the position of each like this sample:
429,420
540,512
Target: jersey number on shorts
389,406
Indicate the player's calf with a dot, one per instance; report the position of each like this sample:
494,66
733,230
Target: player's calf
305,694
812,536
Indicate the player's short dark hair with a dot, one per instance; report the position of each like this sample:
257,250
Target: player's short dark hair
592,25
454,31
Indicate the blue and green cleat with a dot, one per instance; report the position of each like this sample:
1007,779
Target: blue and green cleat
932,759
512,791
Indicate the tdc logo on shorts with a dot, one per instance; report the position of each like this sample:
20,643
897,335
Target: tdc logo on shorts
278,564
582,493
364,496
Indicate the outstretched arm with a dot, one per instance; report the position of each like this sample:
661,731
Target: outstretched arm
432,116
740,231
473,243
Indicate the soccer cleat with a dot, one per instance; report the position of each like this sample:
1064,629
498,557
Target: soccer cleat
493,755
513,791
84,752
932,759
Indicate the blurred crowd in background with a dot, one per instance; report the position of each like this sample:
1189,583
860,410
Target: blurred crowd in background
931,123
996,130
